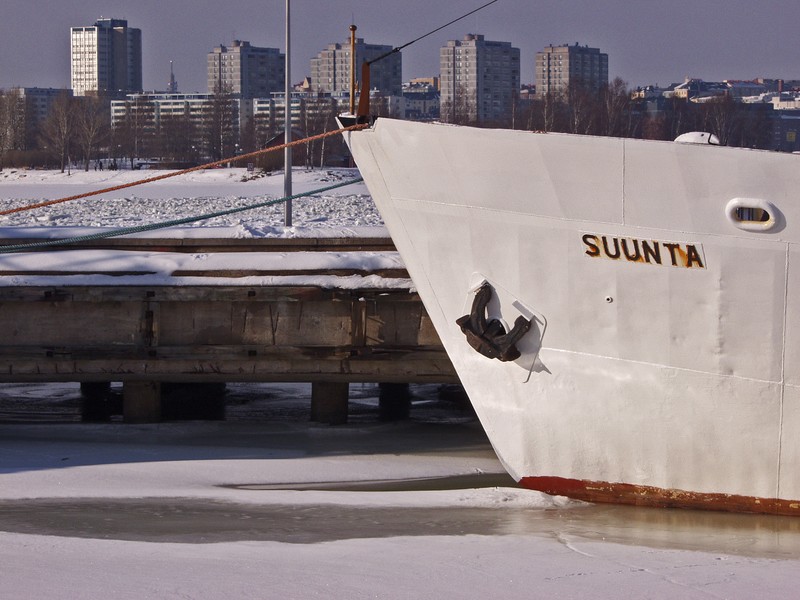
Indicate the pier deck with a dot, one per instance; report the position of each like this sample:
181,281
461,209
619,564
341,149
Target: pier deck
225,330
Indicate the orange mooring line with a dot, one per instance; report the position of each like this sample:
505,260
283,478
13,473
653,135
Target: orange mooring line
184,171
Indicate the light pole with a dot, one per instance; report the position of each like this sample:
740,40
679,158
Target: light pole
287,127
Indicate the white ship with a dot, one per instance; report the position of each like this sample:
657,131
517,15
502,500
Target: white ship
622,313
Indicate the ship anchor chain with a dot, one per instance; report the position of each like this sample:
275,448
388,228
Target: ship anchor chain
490,337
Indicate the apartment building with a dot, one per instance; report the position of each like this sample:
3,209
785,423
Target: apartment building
559,67
480,79
106,59
145,115
330,69
245,70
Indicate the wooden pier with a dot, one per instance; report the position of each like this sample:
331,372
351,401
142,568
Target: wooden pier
144,336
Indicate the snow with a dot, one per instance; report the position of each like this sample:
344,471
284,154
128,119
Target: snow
238,509
157,268
345,209
343,212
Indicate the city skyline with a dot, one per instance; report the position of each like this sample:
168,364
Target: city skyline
647,43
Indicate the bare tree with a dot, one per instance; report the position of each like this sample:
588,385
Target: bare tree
755,130
58,129
720,118
616,114
133,133
219,132
583,108
460,109
173,139
680,118
654,127
248,136
336,141
5,126
313,123
319,117
550,106
12,123
92,126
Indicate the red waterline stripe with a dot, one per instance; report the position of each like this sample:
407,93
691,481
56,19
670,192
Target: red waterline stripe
643,495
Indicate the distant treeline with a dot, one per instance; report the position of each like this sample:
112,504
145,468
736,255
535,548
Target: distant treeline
77,130
611,111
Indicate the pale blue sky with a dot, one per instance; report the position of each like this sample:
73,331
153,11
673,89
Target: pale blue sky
648,41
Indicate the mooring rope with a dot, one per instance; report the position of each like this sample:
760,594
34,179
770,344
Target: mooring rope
164,224
184,171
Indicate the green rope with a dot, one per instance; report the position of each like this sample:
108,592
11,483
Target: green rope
164,224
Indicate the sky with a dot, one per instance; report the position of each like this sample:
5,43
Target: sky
648,41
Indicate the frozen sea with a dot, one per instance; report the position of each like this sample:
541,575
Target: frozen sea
269,505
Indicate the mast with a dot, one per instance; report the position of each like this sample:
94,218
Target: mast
353,69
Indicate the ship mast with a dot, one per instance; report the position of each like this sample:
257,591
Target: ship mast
353,69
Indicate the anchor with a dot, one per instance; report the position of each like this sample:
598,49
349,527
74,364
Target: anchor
490,337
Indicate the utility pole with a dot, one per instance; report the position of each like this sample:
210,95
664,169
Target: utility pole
287,125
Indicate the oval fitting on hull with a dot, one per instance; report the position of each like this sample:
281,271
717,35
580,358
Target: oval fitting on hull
752,214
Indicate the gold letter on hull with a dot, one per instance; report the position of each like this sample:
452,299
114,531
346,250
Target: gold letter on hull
650,252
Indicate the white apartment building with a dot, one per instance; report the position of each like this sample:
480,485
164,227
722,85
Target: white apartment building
106,58
157,106
147,113
309,111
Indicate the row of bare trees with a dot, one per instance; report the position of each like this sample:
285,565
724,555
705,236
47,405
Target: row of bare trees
734,123
12,125
316,116
177,137
75,129
607,112
214,132
611,111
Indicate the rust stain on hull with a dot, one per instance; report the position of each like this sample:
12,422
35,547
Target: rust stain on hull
643,495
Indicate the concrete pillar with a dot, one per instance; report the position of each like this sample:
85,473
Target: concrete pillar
141,401
329,402
95,405
394,401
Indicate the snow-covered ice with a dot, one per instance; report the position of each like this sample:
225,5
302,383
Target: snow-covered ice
237,509
344,209
343,212
186,510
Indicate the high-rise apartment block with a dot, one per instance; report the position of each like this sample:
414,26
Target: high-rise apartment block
480,79
106,58
560,67
330,69
245,70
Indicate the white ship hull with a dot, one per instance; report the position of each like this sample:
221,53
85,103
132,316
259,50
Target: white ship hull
659,368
